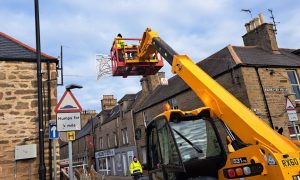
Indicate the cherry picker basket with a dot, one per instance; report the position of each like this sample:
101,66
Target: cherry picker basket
125,61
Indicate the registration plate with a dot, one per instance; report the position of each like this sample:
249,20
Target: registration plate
290,162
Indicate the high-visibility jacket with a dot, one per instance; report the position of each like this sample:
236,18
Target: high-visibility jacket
120,43
135,166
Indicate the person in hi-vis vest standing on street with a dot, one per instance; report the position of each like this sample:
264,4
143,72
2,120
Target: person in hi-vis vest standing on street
135,166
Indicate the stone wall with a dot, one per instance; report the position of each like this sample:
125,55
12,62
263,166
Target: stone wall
126,122
108,128
18,116
86,115
277,79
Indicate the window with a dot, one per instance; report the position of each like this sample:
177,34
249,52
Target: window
294,82
201,134
102,164
145,118
116,139
125,136
292,132
153,149
108,142
168,149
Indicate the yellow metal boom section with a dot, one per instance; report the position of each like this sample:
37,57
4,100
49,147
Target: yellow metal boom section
245,124
146,49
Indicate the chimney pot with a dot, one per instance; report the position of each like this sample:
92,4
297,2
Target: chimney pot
256,22
247,25
261,18
252,26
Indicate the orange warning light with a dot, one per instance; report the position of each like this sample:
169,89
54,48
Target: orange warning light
166,107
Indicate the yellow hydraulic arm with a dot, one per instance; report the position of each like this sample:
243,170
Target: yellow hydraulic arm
244,123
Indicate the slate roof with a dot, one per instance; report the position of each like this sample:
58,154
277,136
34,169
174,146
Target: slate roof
258,57
297,52
85,130
115,111
12,49
113,114
127,97
223,61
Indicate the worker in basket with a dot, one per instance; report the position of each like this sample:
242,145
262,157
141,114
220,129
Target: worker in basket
136,170
120,44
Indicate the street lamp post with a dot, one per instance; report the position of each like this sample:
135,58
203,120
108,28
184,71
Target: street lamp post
42,168
71,176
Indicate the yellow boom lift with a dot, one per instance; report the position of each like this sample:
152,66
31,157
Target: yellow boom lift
223,140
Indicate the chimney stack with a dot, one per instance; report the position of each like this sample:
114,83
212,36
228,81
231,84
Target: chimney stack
108,102
149,83
261,34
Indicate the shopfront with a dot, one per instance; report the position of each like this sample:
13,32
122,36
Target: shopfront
105,162
115,162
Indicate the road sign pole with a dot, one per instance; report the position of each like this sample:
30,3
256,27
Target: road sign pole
71,176
54,158
295,129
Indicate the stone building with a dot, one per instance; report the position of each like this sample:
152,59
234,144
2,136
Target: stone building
86,115
115,142
259,74
83,146
18,107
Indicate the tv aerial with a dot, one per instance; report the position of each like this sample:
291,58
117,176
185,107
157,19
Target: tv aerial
273,19
247,11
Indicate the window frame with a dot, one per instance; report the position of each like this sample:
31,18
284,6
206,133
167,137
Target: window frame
115,139
126,136
297,80
296,133
101,143
123,136
153,129
145,118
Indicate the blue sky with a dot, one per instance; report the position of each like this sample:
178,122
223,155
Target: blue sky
87,27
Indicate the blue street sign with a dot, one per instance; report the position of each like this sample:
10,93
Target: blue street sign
53,133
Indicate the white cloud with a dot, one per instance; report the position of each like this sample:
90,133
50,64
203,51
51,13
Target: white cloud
86,28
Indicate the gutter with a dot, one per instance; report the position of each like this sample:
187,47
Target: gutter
28,60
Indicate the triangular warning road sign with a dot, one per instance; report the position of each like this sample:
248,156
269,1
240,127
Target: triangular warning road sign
68,104
289,105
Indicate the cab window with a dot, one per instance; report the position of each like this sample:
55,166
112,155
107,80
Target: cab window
196,139
153,148
168,148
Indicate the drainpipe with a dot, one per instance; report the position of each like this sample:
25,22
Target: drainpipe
265,99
